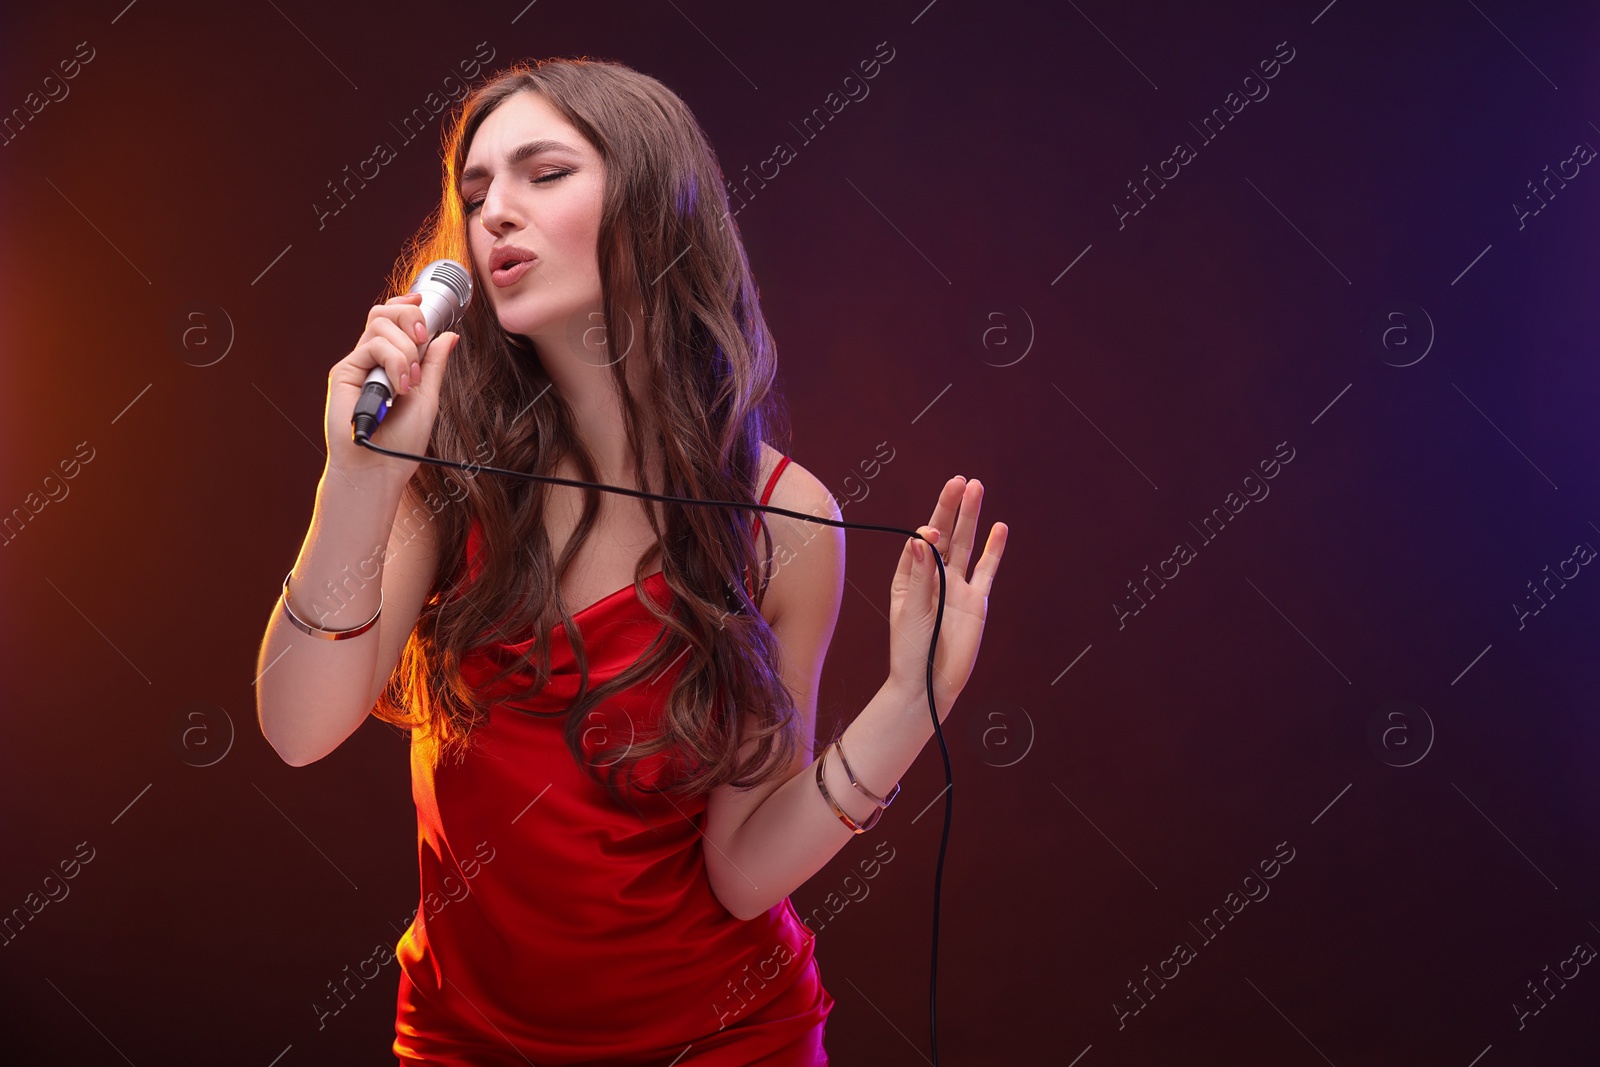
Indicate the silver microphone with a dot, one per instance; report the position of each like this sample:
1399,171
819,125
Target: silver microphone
446,288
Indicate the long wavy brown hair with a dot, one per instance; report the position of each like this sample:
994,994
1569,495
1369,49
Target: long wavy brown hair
711,370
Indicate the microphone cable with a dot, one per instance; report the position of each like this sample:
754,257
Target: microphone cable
362,435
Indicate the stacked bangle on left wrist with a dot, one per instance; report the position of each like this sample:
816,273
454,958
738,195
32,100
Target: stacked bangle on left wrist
880,803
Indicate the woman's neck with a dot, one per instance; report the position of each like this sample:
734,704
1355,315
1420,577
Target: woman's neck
586,380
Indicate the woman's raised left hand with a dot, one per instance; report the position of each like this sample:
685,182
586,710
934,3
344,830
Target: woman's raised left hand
914,597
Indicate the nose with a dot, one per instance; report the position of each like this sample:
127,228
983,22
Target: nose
496,212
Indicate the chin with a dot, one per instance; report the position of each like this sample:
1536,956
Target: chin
547,320
515,317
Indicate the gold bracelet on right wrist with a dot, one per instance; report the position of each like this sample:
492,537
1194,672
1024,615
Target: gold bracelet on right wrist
317,631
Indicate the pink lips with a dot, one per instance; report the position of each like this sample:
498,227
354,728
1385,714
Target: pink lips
510,274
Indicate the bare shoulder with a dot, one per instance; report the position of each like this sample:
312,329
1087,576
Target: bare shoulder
807,557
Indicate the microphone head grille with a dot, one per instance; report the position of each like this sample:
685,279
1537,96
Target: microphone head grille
450,274
456,277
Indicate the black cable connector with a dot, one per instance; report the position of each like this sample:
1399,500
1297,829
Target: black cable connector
370,409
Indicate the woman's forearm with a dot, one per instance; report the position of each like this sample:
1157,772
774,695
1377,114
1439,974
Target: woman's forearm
312,694
795,832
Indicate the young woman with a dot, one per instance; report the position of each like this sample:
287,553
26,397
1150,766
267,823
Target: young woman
611,700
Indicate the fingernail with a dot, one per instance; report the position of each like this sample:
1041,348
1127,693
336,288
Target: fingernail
416,371
916,551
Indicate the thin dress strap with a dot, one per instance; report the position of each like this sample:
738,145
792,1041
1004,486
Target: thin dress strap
766,494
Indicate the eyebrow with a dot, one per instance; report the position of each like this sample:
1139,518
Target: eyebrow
515,156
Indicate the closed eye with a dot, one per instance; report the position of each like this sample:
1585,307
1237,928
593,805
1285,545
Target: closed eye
472,205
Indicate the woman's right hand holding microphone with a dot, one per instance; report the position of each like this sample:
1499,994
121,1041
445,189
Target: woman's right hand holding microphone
392,339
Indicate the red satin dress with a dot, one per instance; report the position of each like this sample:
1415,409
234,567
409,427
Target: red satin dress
556,927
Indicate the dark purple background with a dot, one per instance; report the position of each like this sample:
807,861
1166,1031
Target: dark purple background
907,257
